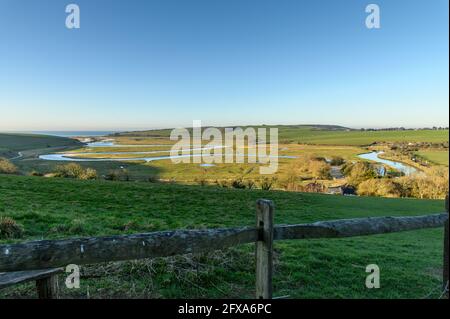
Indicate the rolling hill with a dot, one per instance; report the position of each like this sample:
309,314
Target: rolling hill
329,135
10,144
410,262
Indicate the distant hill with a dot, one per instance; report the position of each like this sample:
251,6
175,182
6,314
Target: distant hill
319,127
10,144
330,135
303,127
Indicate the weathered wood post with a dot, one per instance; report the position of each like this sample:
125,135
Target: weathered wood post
47,288
264,249
445,282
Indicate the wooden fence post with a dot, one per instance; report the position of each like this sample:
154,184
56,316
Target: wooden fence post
47,288
264,249
445,277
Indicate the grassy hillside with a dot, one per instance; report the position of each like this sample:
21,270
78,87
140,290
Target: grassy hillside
331,135
410,262
10,144
166,132
366,137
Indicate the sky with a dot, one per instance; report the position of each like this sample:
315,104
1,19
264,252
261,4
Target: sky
141,64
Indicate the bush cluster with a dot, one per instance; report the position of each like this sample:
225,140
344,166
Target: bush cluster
6,167
434,185
358,172
73,170
9,228
118,175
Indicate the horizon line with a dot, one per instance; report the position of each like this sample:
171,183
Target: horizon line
117,130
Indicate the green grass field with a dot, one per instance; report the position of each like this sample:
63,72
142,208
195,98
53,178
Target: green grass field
410,262
435,156
331,135
366,138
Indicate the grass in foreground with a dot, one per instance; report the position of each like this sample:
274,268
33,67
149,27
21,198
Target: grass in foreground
410,262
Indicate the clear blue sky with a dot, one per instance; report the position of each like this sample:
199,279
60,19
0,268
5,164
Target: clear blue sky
163,63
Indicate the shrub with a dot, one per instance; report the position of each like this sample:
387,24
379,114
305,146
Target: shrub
250,184
337,161
313,187
223,183
238,183
392,173
380,187
88,174
112,176
117,175
9,228
266,183
368,188
434,185
358,172
6,167
290,183
320,169
71,170
35,173
306,168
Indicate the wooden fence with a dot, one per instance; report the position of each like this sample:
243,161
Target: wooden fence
46,254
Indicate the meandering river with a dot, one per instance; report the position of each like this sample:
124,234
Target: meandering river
406,169
73,157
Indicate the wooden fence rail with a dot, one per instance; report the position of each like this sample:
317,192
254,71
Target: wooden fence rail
45,254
